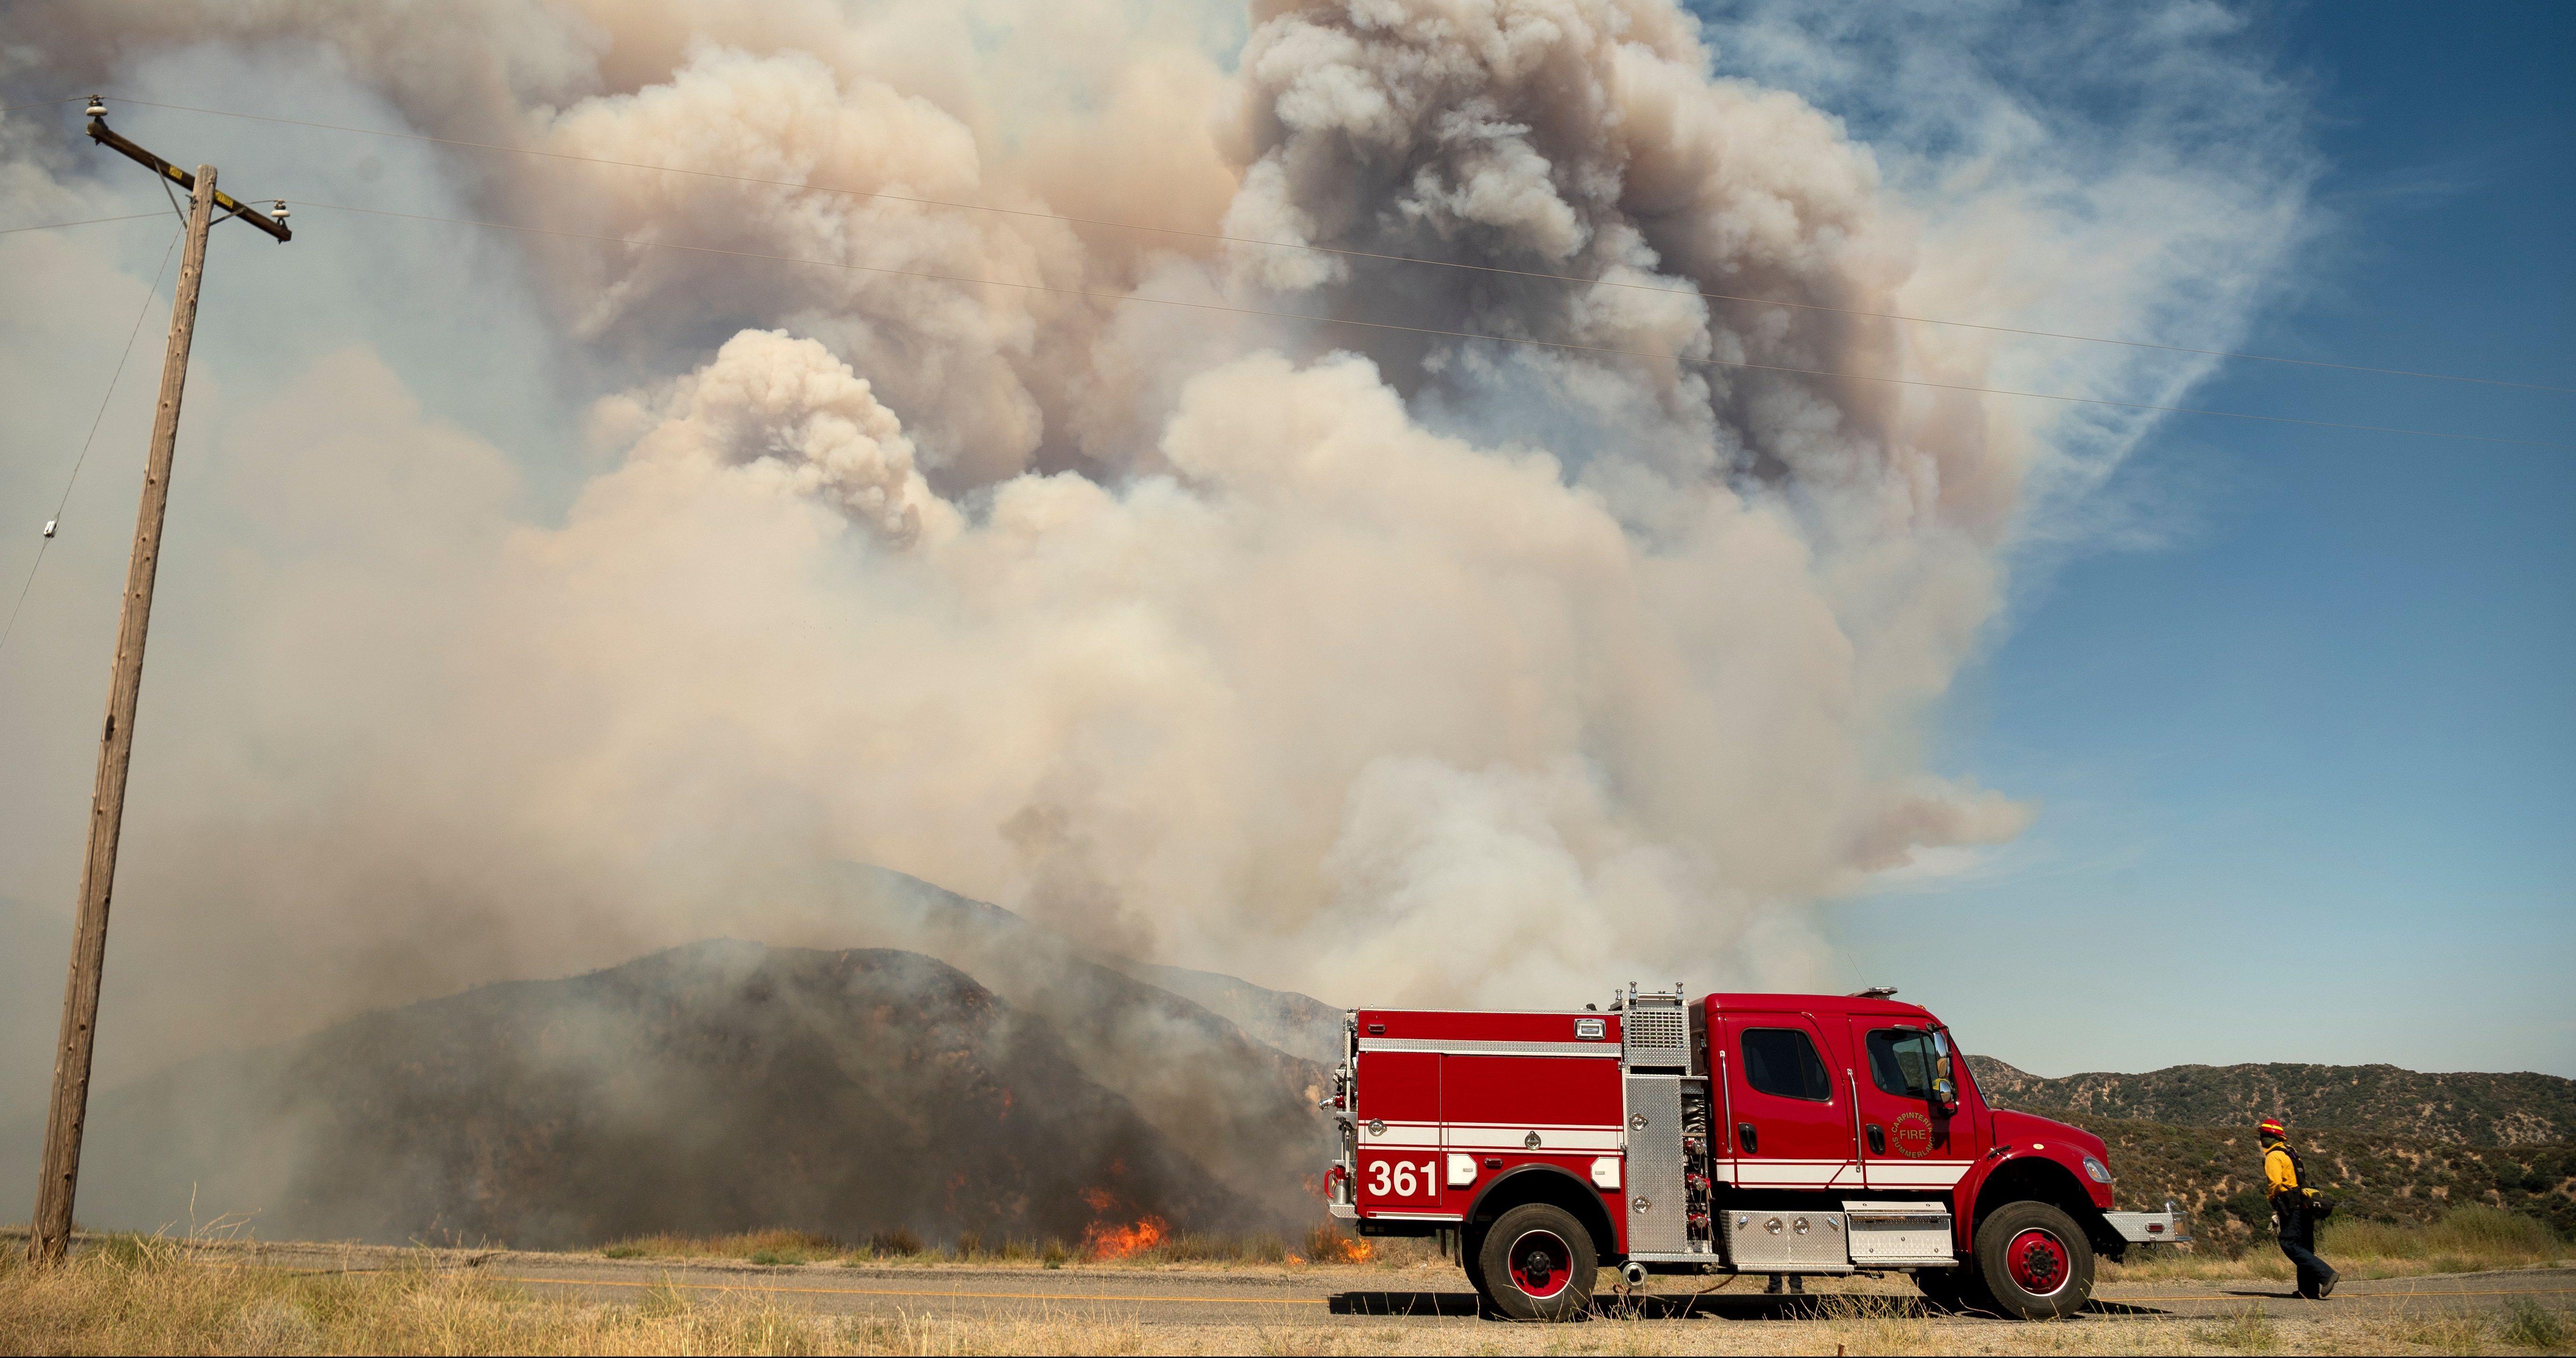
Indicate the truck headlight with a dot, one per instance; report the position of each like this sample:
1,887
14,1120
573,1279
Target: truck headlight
2099,1172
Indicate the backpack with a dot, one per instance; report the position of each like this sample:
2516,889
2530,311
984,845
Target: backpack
2318,1204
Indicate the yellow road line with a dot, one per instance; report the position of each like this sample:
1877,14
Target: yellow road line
891,1292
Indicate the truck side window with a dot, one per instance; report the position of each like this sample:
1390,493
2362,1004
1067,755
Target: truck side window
1901,1062
1783,1061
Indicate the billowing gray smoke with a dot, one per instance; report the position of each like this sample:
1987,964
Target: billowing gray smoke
1369,662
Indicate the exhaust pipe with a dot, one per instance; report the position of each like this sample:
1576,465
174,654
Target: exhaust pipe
1635,1273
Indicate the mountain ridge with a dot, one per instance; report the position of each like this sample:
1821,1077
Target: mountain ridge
2459,1108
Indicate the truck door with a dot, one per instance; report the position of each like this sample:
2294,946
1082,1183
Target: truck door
1909,1141
1792,1117
1398,1112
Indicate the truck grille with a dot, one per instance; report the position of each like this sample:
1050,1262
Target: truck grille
1656,1036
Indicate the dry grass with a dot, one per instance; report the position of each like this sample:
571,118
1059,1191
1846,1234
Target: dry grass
129,1294
153,1296
759,1247
2530,1325
2467,1239
133,1295
2249,1331
1325,1244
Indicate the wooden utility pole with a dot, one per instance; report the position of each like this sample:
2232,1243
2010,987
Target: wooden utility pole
64,1116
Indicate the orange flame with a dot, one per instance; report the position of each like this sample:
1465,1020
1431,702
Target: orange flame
1354,1251
1101,1241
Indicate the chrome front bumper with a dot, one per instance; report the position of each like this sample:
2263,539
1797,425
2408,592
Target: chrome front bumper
2168,1227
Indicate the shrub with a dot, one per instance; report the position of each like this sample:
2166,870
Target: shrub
897,1243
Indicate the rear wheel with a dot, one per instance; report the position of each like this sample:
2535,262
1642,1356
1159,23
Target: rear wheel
2035,1261
1538,1263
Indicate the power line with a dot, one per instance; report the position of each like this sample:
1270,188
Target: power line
1361,254
1113,297
93,221
43,103
150,295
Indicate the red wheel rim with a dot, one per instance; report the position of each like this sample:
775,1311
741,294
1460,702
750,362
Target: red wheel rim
2036,1258
1541,1264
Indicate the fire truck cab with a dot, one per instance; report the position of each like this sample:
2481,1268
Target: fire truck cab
1773,1134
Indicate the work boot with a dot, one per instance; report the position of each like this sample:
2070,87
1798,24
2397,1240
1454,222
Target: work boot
2326,1289
1772,1288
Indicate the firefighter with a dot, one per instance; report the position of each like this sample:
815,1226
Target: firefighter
2296,1207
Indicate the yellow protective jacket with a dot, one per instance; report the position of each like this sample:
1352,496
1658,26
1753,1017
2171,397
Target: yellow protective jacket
2281,1169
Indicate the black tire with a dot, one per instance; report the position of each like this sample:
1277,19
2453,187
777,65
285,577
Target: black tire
2034,1261
1954,1289
1538,1263
1471,1257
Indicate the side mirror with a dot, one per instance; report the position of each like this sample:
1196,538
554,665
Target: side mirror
1945,1090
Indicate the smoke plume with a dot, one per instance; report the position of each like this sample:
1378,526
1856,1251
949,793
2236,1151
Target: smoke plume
535,600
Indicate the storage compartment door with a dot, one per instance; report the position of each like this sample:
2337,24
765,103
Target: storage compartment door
1658,1208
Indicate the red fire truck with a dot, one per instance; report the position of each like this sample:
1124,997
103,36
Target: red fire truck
1775,1134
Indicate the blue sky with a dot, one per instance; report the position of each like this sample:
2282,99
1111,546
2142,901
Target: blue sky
2307,765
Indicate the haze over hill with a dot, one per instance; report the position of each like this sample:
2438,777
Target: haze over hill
306,1132
1245,1108
718,1087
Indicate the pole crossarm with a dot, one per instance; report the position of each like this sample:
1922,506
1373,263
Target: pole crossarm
115,141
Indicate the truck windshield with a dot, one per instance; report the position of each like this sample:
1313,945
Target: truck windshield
1901,1062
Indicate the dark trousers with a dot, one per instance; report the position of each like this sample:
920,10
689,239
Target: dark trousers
2299,1241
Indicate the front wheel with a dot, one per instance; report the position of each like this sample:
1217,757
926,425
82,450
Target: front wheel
1537,1263
2035,1261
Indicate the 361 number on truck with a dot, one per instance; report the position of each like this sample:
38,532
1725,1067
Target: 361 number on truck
1742,1133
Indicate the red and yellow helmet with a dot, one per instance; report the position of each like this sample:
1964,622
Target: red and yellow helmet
2271,1127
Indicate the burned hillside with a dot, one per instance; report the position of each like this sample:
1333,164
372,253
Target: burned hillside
1199,1055
716,1087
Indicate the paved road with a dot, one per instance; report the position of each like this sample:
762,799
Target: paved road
1317,1295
